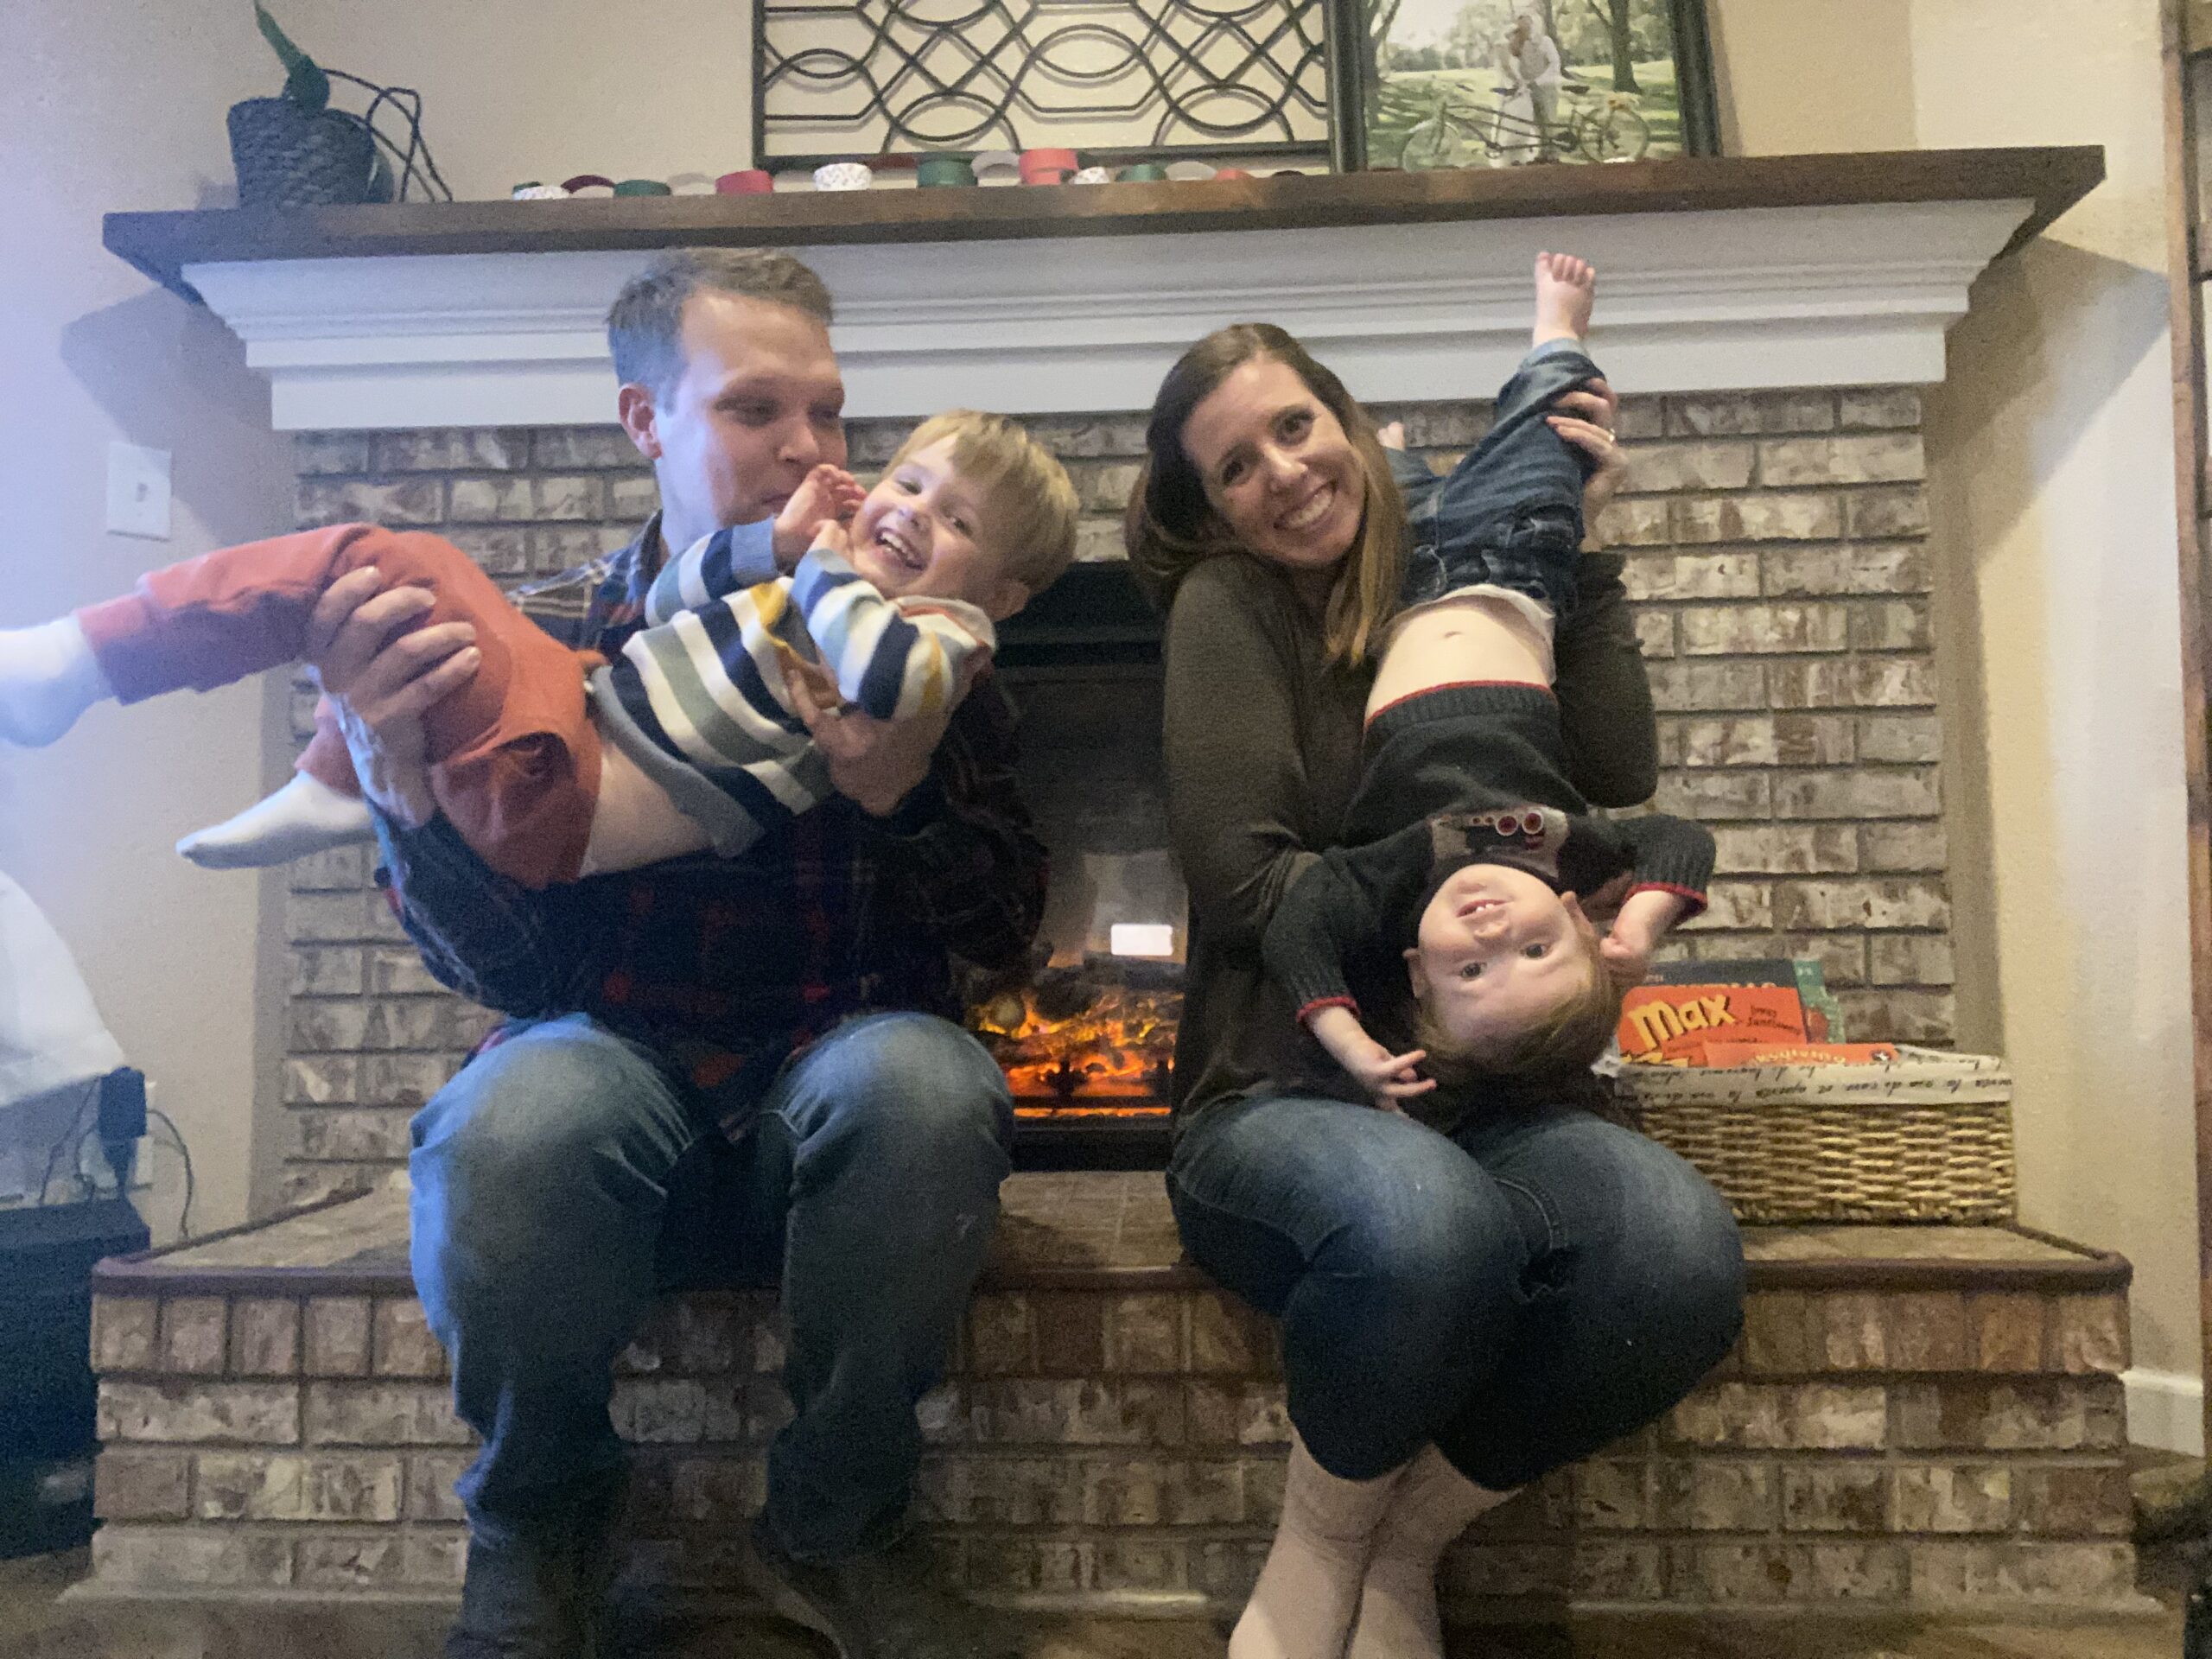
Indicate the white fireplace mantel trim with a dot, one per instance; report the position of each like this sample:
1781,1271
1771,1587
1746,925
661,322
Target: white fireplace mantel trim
1736,300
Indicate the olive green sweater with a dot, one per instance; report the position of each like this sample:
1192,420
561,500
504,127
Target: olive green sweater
1262,744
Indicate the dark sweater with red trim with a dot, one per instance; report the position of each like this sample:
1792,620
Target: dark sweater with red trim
1466,774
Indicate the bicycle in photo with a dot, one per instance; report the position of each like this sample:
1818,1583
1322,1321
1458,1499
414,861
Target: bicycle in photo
1597,129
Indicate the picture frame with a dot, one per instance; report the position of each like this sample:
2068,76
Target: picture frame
1422,84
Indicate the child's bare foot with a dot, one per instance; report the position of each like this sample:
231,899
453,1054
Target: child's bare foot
306,816
48,676
1566,289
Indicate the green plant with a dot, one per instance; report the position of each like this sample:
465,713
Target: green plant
305,83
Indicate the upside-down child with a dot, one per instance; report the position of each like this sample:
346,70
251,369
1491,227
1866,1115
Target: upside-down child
1466,844
556,765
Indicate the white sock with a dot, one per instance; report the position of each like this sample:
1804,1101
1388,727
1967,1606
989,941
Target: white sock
1308,1592
48,676
306,816
1434,1504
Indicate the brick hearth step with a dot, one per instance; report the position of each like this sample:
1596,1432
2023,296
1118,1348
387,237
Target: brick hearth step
1928,1417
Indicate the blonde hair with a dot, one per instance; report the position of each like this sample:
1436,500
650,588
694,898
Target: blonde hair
1170,528
1554,1053
1026,492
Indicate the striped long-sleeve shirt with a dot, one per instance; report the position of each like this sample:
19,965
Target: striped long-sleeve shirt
700,698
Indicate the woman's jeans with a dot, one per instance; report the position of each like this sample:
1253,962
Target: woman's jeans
562,1181
1523,1293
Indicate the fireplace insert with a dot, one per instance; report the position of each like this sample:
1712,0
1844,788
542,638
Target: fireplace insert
1087,1034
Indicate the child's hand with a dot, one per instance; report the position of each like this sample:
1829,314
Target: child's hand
1388,1077
827,497
1645,919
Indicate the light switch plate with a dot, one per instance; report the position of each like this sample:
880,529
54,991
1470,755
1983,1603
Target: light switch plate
138,491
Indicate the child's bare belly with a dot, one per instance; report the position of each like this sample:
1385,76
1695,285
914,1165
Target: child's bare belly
1460,638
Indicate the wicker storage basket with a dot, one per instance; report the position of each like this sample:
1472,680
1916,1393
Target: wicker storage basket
1928,1137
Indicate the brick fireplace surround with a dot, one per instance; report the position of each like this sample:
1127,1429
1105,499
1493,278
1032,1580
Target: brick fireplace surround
1778,560
1926,1417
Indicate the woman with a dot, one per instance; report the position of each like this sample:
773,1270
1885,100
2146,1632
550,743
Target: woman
1460,1313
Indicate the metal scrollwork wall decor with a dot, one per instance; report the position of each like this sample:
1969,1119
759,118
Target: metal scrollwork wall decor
1117,78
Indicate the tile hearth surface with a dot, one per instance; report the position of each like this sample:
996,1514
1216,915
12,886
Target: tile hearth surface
1092,1223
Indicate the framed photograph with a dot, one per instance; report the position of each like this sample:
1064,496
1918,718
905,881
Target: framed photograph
1511,83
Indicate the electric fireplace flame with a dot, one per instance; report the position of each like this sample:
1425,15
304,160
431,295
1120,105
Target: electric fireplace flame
1094,1039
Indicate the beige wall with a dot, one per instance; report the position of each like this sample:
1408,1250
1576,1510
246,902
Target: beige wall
108,107
1800,76
547,89
2050,449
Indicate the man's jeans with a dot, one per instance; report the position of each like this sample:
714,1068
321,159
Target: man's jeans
1522,1293
561,1182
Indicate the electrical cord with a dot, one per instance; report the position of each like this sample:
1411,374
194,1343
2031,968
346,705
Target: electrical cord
154,1115
72,1137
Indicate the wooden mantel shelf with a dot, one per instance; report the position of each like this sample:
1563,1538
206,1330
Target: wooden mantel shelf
1796,270
161,244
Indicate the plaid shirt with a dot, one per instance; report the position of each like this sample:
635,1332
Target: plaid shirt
727,967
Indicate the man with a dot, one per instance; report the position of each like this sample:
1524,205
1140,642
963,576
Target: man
716,1070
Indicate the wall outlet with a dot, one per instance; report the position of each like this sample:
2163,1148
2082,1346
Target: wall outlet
138,491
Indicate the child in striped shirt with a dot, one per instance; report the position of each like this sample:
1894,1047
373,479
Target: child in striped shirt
554,765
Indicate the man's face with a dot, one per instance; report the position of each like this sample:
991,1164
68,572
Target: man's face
1495,952
758,402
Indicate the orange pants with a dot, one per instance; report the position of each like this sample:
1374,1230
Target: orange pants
515,757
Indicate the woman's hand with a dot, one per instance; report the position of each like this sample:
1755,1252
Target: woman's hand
1588,419
1387,1077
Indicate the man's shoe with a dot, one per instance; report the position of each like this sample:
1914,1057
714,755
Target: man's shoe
538,1588
887,1605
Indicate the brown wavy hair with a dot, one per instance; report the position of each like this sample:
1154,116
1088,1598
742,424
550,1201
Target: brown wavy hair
1170,528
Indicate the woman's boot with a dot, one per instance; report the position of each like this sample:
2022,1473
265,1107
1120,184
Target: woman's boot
1434,1504
1309,1590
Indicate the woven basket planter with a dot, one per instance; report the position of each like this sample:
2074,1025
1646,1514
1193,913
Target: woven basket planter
1927,1139
287,157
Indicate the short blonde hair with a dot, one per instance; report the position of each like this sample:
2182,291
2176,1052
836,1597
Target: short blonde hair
1026,492
1554,1053
1171,528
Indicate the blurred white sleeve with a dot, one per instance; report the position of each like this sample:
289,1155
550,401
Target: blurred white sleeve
51,1036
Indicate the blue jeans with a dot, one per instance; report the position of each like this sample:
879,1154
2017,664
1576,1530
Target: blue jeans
562,1181
1510,513
1521,1293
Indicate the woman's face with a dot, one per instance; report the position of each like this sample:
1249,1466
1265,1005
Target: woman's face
1277,466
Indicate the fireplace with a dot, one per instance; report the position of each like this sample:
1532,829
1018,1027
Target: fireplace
1086,1035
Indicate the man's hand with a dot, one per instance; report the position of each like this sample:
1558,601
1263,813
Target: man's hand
380,680
874,763
1645,919
1588,419
828,497
1388,1077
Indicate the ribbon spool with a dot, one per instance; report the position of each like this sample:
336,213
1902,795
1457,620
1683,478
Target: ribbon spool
1142,173
588,184
945,171
533,191
1048,166
643,188
746,181
843,175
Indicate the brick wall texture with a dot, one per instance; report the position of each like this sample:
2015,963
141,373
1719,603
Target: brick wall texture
1118,1449
1778,562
